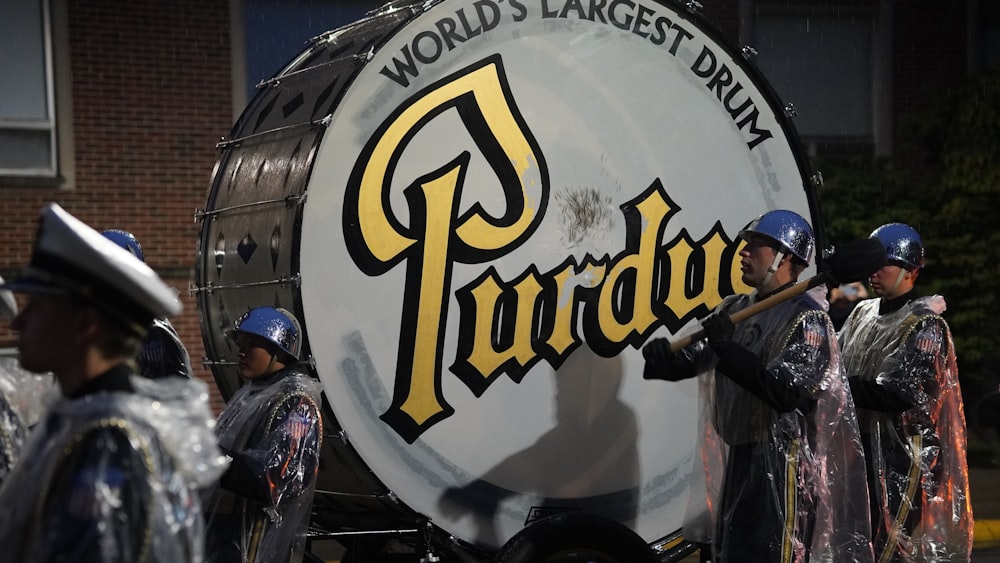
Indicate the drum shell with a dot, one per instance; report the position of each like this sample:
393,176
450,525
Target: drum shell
251,229
249,250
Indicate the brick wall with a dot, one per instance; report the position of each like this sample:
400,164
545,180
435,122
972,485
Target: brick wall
151,91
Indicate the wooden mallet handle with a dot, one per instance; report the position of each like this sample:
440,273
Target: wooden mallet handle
856,261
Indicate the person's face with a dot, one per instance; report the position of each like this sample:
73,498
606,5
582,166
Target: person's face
255,358
47,327
883,281
756,257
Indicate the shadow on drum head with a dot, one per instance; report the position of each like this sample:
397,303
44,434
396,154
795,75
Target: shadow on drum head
353,508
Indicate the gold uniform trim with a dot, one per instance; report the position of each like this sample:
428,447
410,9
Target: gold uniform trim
904,503
791,502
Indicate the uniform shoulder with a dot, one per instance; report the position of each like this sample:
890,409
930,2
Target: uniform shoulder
103,486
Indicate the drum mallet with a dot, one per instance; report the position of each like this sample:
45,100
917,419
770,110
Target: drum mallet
855,261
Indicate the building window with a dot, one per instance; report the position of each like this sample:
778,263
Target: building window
268,34
28,146
826,61
985,27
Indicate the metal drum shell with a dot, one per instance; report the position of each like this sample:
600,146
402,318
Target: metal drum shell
249,243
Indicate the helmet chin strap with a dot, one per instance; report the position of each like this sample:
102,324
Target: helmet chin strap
895,286
778,257
270,365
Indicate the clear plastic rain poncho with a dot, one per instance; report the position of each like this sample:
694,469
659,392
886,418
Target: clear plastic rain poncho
23,397
272,429
923,511
779,485
114,476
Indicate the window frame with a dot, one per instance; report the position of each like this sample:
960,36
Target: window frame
879,142
58,104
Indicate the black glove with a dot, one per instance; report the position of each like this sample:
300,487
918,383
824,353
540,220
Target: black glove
246,478
870,395
719,331
662,363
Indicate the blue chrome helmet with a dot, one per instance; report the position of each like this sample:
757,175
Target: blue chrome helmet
787,228
277,326
902,243
125,240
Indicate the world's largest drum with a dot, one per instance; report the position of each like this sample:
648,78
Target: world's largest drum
480,210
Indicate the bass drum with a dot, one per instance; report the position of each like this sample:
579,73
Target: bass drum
480,210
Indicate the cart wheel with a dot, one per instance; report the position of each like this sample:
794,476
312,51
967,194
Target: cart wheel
575,536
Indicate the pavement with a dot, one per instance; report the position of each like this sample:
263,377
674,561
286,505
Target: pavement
984,483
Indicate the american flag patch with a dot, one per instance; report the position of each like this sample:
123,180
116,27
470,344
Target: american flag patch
927,341
813,335
152,351
299,425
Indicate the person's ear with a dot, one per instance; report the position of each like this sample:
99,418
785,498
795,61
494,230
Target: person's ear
88,323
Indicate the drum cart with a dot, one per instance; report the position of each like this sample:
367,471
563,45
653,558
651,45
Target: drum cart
562,538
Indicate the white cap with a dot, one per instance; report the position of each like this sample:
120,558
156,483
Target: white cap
71,258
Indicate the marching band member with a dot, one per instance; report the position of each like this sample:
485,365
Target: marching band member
162,353
900,359
780,475
112,472
12,428
272,429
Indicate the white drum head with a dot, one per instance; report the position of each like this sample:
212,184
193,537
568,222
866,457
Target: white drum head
509,200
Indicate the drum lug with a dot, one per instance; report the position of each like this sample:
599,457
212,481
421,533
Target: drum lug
748,52
693,6
790,110
365,57
429,555
390,7
817,179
